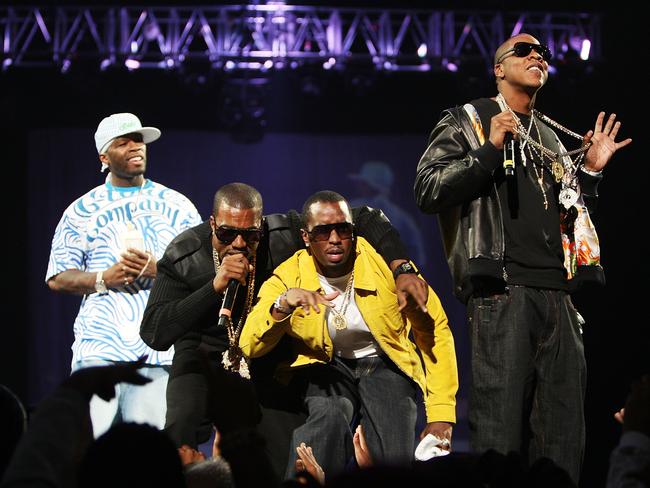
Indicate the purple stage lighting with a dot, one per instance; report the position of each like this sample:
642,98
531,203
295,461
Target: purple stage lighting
585,49
132,64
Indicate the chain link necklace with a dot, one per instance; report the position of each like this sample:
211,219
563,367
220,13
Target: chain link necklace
338,316
552,155
233,358
539,175
563,168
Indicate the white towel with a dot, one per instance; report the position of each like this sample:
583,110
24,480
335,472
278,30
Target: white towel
428,448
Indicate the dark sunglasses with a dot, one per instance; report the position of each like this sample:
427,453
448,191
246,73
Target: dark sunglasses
521,49
322,232
227,234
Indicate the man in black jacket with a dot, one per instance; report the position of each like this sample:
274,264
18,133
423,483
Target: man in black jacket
188,293
518,238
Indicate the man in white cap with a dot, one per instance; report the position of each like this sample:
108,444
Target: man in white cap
105,248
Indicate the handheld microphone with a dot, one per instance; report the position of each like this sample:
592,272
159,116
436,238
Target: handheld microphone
509,162
228,300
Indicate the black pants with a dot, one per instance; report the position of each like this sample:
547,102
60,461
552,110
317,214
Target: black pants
187,419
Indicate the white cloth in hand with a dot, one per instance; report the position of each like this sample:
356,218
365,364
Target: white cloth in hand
429,448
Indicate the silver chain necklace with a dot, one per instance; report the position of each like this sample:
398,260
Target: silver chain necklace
552,155
563,167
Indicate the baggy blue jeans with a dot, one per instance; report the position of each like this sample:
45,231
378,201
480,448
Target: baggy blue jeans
528,376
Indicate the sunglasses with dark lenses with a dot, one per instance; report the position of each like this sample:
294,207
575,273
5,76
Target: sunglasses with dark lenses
322,232
521,49
228,234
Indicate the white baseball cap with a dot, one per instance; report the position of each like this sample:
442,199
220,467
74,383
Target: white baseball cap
117,125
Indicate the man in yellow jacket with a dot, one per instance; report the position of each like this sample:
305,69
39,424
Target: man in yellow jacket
352,352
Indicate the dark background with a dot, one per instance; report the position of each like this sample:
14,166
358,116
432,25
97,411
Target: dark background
313,139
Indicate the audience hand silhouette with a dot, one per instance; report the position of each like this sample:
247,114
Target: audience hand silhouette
307,462
101,380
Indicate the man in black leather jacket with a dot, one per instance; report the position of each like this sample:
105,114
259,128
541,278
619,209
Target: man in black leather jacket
517,240
183,307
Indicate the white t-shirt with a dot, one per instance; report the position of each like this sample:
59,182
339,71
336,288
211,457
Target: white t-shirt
356,340
90,237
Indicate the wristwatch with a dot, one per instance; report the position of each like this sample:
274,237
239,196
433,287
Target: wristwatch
406,267
100,285
278,304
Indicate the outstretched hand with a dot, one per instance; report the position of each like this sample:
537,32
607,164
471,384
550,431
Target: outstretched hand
298,297
603,143
101,380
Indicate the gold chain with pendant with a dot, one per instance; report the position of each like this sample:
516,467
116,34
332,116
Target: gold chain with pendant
338,316
233,358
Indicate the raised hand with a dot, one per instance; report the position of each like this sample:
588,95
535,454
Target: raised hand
361,451
603,143
307,462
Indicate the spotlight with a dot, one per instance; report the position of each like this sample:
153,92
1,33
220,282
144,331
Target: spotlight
105,64
132,64
585,49
65,66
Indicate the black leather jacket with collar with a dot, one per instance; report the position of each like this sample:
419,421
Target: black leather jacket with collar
454,180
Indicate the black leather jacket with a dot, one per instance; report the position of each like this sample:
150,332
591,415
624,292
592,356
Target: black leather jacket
454,180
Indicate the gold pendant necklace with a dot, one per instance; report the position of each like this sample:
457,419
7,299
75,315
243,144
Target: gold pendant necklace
233,358
557,170
340,323
338,316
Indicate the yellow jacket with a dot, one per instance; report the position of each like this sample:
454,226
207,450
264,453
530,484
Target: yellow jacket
375,295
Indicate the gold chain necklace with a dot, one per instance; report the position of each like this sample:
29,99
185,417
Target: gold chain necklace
338,319
233,358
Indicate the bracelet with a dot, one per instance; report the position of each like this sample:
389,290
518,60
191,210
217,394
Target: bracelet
592,173
143,268
278,305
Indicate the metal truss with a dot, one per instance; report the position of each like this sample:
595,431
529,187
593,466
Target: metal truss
276,35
